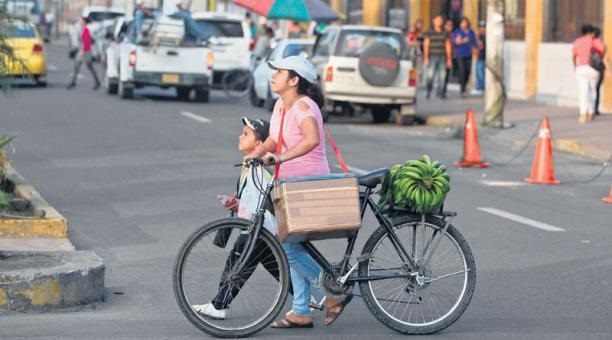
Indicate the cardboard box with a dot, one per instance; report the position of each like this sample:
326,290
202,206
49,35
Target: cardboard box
317,209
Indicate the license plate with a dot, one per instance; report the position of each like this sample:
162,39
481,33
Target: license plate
170,78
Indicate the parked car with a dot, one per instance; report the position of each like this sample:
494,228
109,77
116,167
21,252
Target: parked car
366,67
186,67
111,54
28,47
233,38
260,93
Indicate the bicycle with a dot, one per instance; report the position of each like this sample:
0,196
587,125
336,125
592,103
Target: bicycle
412,290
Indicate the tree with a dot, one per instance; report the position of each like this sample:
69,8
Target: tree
495,91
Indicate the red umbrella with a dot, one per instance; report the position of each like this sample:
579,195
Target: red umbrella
298,10
261,7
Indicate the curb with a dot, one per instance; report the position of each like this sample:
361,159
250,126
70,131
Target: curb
571,146
53,224
441,121
51,280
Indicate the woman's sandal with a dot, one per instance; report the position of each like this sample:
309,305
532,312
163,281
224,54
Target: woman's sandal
330,316
286,323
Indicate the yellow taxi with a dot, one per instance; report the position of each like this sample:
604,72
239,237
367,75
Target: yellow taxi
29,49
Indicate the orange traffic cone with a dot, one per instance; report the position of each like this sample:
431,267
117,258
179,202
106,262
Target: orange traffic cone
609,198
471,150
543,169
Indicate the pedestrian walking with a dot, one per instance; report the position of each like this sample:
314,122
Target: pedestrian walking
481,61
586,75
465,44
415,36
414,40
49,21
84,56
263,44
245,204
449,26
437,56
597,34
297,112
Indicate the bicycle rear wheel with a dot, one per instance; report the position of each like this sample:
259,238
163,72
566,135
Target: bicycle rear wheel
237,83
428,296
202,274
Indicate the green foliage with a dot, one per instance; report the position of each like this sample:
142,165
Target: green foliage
4,141
4,199
7,55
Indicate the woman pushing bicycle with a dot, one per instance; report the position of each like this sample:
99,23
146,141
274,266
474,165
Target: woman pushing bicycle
298,117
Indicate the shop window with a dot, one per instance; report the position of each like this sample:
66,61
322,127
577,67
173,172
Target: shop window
563,19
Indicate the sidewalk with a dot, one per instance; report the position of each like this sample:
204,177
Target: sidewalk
593,139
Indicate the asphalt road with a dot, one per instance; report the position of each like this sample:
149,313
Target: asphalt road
134,178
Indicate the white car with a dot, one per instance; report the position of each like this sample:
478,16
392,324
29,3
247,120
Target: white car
111,54
233,38
366,67
260,93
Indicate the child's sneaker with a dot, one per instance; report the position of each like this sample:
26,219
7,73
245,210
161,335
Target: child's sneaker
208,310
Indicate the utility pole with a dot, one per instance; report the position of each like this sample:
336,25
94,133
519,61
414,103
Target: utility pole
495,91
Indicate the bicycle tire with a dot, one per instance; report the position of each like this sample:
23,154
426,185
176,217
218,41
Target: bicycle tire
237,83
211,326
392,321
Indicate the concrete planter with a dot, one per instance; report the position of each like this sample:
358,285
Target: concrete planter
46,222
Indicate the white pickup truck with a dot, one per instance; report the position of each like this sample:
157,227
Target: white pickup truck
185,67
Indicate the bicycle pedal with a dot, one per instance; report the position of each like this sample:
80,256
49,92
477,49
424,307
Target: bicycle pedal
316,306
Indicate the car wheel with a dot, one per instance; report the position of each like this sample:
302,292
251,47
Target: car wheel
126,90
41,83
110,86
325,114
269,102
202,95
380,114
255,101
183,93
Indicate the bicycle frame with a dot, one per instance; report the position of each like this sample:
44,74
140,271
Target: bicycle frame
366,202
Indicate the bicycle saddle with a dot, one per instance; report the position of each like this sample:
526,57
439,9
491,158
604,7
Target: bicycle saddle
372,179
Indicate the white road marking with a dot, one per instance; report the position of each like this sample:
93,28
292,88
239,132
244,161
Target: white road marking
503,183
52,67
357,171
195,117
520,219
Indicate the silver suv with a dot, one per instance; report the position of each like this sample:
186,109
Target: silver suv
366,67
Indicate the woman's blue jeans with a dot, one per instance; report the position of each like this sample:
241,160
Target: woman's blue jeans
304,273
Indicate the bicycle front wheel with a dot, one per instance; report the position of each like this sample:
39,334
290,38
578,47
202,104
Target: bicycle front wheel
426,296
237,83
244,302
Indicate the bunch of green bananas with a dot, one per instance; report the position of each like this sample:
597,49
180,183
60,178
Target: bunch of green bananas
420,185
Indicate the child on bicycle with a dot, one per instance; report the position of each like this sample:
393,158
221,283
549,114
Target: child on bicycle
254,133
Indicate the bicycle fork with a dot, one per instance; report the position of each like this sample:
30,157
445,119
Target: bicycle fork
254,230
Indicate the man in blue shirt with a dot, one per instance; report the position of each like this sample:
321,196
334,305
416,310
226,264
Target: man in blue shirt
465,43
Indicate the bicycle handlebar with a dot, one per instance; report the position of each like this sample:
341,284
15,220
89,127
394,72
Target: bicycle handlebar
255,162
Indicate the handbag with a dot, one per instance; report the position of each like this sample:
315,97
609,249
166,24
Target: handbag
596,59
316,207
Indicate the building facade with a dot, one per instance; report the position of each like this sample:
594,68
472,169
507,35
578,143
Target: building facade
538,37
